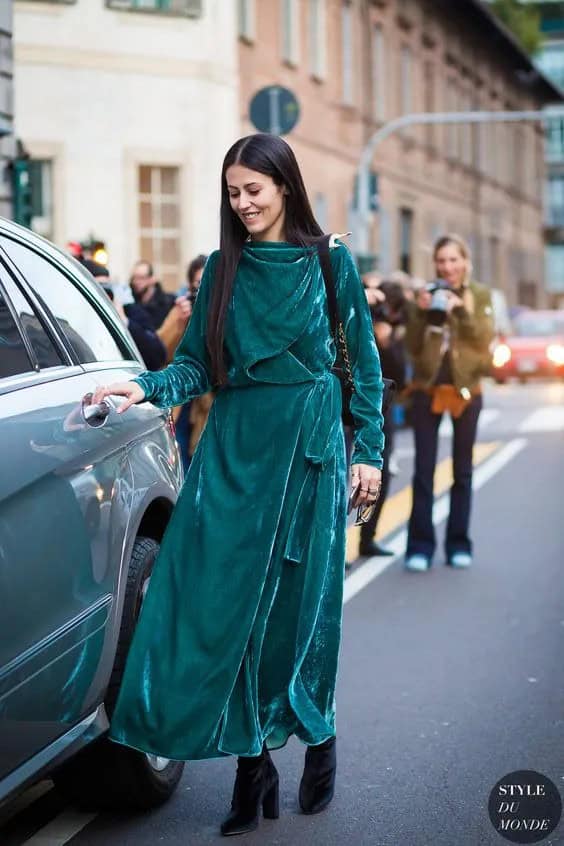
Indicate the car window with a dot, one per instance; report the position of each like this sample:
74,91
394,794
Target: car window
88,334
46,353
538,325
13,354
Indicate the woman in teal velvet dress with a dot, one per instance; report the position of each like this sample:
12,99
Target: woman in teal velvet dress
237,643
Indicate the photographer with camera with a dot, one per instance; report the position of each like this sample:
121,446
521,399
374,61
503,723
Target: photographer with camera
387,303
448,335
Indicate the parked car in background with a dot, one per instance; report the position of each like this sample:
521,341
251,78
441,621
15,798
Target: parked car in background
535,347
85,497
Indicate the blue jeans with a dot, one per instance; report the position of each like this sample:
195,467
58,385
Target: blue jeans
421,531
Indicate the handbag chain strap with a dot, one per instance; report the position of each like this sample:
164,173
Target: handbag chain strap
337,328
345,357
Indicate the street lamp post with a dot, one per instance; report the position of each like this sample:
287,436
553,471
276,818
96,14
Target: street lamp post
362,223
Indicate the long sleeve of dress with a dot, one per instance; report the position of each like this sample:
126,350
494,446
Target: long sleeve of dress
189,373
366,402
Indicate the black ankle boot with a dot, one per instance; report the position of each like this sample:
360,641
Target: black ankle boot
318,781
256,783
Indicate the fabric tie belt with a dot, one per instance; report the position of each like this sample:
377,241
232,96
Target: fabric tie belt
322,419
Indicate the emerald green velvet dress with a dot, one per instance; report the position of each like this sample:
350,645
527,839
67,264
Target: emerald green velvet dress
238,638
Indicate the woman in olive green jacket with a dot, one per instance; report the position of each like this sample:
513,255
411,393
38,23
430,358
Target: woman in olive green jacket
237,644
448,339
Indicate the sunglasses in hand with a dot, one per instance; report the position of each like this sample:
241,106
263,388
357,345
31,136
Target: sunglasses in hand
365,510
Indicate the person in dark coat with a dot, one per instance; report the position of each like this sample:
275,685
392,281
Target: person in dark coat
388,319
148,342
152,304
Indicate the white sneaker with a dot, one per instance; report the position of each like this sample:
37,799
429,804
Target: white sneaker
460,559
417,563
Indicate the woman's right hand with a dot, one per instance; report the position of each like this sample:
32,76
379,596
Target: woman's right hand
132,391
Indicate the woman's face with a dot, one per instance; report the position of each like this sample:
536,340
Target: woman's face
451,265
258,202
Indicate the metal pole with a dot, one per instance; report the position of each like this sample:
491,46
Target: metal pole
362,221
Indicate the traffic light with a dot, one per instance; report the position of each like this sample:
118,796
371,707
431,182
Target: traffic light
96,250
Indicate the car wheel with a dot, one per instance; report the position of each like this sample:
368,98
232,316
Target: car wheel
106,774
500,380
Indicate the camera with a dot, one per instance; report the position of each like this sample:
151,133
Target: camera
439,290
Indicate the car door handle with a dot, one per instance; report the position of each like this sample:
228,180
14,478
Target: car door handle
94,414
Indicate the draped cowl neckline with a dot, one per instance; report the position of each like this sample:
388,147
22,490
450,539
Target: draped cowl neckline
275,292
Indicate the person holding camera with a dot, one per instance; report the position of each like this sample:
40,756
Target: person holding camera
448,335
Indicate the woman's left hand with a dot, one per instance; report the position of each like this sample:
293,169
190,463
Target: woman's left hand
370,479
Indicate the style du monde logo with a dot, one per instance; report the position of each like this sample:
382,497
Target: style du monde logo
525,806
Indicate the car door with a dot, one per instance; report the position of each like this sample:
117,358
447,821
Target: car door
60,476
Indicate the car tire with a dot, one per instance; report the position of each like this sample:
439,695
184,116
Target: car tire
107,775
499,380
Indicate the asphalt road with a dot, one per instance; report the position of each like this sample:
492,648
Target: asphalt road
449,680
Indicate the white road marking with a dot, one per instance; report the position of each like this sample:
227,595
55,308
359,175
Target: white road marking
487,416
549,418
62,829
373,567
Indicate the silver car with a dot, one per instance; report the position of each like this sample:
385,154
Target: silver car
85,497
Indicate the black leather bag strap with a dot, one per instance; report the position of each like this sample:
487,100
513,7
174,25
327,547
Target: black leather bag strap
325,262
337,327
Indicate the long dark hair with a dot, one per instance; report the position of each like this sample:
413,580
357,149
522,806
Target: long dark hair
272,156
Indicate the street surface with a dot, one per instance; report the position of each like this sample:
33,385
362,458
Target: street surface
449,680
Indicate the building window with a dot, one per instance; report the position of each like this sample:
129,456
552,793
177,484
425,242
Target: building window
379,73
551,62
555,139
159,222
429,99
527,293
405,239
247,19
466,132
555,200
347,53
290,32
188,8
452,128
406,86
41,182
318,38
321,210
554,268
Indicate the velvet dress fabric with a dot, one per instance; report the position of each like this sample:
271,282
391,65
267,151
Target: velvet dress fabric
238,638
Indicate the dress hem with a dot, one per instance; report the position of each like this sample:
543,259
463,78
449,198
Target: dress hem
219,753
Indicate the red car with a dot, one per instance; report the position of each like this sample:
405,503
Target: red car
536,347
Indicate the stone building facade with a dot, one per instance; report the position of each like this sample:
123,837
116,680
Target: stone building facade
128,106
355,65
